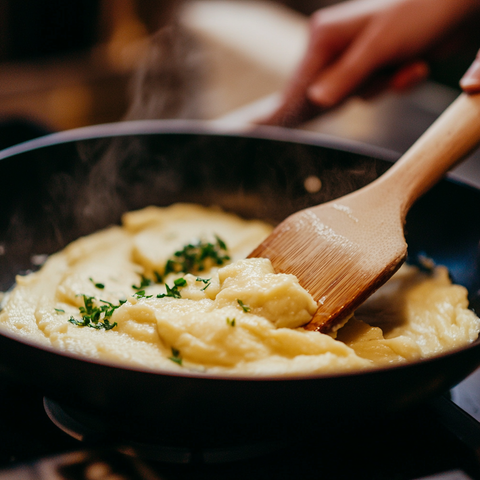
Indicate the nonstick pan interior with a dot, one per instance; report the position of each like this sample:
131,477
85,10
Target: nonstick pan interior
64,186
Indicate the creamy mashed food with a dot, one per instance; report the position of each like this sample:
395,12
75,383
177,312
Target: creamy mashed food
171,289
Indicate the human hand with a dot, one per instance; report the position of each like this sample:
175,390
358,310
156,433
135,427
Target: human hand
359,45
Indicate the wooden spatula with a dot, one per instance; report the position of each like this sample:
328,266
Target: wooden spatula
343,250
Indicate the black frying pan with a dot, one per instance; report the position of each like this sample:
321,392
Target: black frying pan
59,187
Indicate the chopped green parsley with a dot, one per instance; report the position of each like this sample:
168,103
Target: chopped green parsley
141,294
144,282
100,286
196,257
93,316
176,356
174,291
245,308
206,281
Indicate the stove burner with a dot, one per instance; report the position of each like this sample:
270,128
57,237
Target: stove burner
436,440
91,429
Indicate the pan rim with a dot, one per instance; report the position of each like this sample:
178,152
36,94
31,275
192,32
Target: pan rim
213,128
174,126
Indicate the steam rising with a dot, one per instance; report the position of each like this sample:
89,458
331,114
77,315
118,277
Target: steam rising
168,83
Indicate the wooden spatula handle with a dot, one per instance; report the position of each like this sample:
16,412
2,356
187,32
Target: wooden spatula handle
448,140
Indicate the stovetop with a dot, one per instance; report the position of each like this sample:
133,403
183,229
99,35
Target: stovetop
437,440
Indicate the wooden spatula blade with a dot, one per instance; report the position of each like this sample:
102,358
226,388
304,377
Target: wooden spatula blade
342,257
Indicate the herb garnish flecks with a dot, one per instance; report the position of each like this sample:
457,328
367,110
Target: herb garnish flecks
196,257
141,294
144,282
231,322
176,356
245,308
97,317
100,286
206,281
174,291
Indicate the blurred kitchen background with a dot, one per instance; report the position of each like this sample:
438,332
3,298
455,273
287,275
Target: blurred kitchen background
70,64
67,64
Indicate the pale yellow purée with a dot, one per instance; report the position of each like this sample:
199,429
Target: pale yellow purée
238,318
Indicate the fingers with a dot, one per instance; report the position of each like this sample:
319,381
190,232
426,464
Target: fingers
291,114
338,81
354,44
470,82
330,33
392,37
409,75
380,45
341,54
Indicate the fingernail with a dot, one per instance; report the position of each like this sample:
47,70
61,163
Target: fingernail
470,82
319,95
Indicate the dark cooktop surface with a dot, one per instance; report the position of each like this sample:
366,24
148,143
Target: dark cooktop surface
438,440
